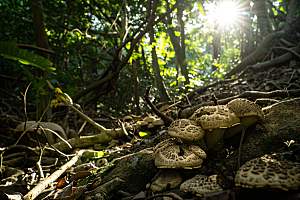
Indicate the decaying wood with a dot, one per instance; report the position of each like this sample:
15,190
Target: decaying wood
86,141
32,194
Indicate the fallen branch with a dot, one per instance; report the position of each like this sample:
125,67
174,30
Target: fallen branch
186,113
87,141
32,194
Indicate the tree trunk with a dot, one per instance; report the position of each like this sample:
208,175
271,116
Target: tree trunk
136,88
183,65
263,18
164,96
41,41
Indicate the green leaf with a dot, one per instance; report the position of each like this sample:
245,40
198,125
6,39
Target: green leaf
11,50
100,154
145,135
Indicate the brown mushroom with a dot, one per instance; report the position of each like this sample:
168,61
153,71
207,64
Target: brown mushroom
165,178
171,154
269,171
158,122
214,120
248,112
200,185
186,129
127,118
149,119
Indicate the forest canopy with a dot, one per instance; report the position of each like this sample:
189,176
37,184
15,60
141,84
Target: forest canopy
104,54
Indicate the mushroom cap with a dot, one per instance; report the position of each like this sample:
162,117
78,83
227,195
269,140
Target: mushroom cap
149,119
169,154
127,118
49,125
186,129
143,123
158,122
150,125
165,178
212,117
200,185
246,108
269,171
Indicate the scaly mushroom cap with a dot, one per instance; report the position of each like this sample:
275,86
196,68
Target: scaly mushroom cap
186,129
269,171
200,185
212,117
246,108
170,154
165,178
249,113
214,120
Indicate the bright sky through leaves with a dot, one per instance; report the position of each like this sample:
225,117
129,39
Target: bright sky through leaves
226,12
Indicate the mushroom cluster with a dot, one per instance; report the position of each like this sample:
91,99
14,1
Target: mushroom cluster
269,171
204,130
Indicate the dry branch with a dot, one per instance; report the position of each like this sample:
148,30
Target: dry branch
186,113
32,194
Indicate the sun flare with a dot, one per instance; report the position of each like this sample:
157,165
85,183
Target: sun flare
226,12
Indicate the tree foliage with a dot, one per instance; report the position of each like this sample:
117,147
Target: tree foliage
96,41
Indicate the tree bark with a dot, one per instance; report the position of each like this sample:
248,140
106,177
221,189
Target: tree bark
41,40
163,94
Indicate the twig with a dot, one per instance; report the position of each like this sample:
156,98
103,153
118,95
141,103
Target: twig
58,151
240,148
32,194
98,126
38,162
187,99
165,118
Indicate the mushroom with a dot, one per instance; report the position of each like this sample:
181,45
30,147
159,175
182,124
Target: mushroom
158,122
127,118
214,120
200,185
171,154
186,129
269,171
48,125
164,179
151,125
143,123
249,113
149,119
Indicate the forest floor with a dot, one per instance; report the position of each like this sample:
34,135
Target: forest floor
123,168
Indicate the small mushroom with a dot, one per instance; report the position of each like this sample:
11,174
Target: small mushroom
164,179
248,112
269,171
158,122
127,118
143,123
186,129
214,120
171,154
150,125
200,185
149,119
